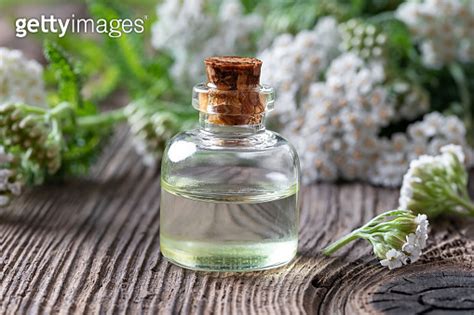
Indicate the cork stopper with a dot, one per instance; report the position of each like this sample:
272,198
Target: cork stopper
234,96
233,73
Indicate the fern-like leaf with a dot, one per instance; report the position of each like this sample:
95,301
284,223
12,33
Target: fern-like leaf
67,77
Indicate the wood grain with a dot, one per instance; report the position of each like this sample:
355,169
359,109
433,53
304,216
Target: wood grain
92,246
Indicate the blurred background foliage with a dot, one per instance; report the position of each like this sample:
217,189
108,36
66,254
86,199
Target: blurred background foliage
139,72
105,62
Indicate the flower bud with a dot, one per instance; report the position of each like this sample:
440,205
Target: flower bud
150,130
437,184
397,237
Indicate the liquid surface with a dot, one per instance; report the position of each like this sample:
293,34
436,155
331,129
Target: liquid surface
229,233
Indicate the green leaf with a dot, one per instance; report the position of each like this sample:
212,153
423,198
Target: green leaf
127,49
101,77
66,75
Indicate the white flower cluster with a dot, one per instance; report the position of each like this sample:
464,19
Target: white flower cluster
21,79
336,135
437,184
424,137
31,134
445,29
191,33
411,249
10,183
292,63
406,192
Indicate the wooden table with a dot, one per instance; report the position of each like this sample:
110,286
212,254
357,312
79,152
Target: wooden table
92,245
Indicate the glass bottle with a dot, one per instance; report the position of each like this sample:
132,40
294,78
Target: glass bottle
229,199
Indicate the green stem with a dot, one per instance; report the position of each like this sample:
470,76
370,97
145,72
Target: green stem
32,109
341,242
464,202
61,110
382,17
102,120
460,78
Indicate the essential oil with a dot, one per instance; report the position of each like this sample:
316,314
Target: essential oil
229,199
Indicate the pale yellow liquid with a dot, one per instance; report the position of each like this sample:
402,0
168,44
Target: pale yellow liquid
229,233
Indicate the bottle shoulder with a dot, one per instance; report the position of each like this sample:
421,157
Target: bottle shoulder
265,140
194,148
197,161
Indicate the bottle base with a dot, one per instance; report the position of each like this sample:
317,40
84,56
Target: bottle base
228,256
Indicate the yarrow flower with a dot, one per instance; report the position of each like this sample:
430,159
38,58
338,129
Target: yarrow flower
11,183
191,32
21,79
292,63
150,130
32,134
444,29
336,133
423,137
437,184
30,148
397,237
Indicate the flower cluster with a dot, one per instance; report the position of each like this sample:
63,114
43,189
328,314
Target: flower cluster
21,79
400,253
190,32
292,63
445,29
398,237
437,184
150,130
424,137
340,120
30,148
11,182
31,133
362,38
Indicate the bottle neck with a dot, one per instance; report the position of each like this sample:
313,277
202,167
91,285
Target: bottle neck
207,125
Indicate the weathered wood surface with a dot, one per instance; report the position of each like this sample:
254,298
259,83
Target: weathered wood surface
92,245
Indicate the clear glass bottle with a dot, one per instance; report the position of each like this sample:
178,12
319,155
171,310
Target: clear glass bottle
229,199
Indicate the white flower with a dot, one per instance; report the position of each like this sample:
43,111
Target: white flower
340,119
415,242
456,150
424,137
10,182
443,28
422,221
392,161
436,185
292,64
21,79
31,133
411,249
394,259
191,33
398,237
